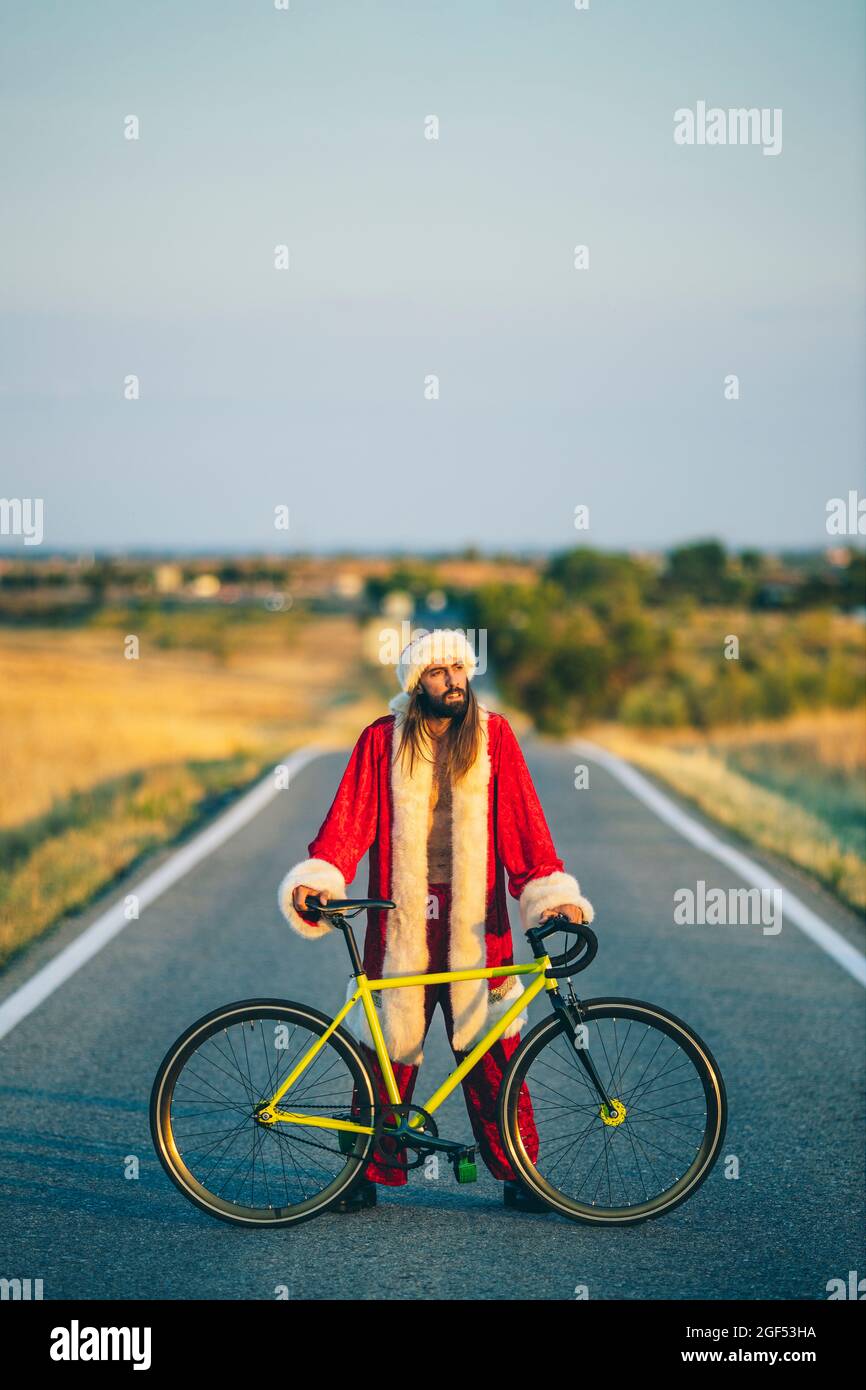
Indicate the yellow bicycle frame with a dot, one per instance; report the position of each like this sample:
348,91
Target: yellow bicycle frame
364,993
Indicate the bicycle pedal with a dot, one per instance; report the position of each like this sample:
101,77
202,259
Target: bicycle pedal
466,1170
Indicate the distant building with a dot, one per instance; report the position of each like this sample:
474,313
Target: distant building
398,604
348,584
167,578
839,557
204,586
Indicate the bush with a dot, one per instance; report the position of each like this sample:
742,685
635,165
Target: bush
654,706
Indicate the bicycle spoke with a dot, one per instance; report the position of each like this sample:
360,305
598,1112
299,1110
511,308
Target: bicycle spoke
602,1162
215,1133
244,1079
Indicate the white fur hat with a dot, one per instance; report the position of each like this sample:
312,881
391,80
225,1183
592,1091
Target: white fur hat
443,645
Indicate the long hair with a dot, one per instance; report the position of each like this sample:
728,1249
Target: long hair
463,738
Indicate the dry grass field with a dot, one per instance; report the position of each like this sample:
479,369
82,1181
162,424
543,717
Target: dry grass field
107,758
795,786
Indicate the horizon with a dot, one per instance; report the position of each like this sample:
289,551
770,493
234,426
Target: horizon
468,553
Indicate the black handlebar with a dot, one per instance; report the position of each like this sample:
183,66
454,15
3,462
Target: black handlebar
571,962
576,957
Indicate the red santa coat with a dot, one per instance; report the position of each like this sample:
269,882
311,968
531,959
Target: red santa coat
498,832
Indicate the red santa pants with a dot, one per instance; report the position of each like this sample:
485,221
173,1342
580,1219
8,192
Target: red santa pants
480,1085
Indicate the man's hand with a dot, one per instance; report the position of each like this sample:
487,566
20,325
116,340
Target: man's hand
302,892
569,910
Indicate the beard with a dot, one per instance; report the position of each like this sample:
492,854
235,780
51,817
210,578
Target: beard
443,707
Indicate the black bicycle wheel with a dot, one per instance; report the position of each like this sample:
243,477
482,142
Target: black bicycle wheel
203,1114
653,1153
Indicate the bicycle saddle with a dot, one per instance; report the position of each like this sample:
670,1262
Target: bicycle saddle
345,904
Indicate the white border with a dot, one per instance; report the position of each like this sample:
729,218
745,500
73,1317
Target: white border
796,911
24,1000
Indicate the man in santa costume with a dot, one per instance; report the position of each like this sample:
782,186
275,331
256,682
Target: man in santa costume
439,794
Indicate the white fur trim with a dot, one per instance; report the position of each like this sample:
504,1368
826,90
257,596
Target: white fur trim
406,937
355,1022
319,875
497,1007
406,940
468,935
551,891
444,644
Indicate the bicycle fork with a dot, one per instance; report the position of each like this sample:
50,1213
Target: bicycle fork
572,1013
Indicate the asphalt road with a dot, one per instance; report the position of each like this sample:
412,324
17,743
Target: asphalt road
785,1022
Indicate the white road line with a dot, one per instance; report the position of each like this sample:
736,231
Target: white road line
747,869
112,921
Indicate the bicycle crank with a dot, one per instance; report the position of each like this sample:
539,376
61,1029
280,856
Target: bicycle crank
393,1137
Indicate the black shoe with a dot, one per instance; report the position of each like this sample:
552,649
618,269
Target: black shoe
515,1194
364,1195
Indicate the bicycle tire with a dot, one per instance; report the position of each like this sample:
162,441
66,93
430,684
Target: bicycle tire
545,1036
340,1051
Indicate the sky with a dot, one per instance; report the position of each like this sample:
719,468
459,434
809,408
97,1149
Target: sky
412,258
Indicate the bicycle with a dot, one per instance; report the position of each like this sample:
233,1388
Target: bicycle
608,1128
